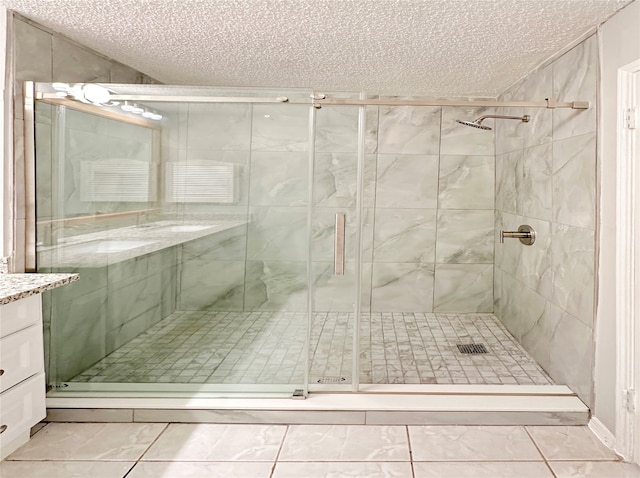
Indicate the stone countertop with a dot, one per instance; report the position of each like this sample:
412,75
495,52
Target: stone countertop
116,245
18,286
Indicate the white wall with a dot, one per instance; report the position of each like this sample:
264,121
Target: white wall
620,45
3,114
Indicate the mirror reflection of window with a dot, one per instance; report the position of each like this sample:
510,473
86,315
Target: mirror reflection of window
202,181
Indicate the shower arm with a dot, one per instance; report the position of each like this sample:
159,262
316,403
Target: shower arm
524,119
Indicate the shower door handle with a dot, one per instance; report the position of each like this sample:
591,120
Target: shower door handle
338,246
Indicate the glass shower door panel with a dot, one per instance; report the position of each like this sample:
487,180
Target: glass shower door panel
335,224
95,177
203,285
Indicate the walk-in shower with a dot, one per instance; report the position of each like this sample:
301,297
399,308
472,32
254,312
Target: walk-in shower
261,242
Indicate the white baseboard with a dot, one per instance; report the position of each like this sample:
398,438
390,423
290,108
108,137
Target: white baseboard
602,432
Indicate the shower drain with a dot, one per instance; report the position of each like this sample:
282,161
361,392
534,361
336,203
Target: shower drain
472,348
331,380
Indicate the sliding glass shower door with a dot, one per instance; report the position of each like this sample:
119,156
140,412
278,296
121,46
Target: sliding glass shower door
336,249
203,225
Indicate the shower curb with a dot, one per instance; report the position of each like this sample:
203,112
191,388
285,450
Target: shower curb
332,408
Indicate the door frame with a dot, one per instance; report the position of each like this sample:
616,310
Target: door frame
627,263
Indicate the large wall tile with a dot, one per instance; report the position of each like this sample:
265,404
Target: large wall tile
509,298
508,182
79,328
120,73
402,287
279,178
405,235
280,128
272,285
546,177
332,293
123,271
510,133
409,130
336,179
509,252
212,285
574,181
407,181
131,298
371,133
219,127
536,335
571,356
463,288
467,182
125,332
534,265
529,307
168,291
229,245
465,236
72,63
459,139
572,257
536,185
277,233
324,221
337,129
498,306
574,79
537,87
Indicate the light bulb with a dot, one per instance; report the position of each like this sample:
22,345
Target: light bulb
96,94
127,107
136,109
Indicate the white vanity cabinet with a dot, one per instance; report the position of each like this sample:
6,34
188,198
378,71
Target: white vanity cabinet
22,381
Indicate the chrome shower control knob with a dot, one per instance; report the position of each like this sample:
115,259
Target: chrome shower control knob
525,233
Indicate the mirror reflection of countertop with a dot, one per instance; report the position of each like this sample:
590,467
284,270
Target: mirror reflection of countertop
18,286
102,248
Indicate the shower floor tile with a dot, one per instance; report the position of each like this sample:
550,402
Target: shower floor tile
268,348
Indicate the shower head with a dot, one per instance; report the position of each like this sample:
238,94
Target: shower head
474,124
478,123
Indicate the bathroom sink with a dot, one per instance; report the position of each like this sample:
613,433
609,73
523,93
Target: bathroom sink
107,247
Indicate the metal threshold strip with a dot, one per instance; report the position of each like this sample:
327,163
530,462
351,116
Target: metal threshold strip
150,390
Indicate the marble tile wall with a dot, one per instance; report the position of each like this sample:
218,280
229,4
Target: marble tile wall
427,242
433,212
107,308
79,317
546,177
104,310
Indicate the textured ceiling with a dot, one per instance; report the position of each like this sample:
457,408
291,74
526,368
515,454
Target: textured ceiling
404,47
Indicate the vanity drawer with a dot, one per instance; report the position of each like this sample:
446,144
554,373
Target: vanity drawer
20,314
21,407
21,356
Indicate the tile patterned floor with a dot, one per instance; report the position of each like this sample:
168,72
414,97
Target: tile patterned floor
267,348
161,450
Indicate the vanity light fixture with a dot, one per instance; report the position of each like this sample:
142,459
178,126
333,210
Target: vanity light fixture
150,114
86,93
